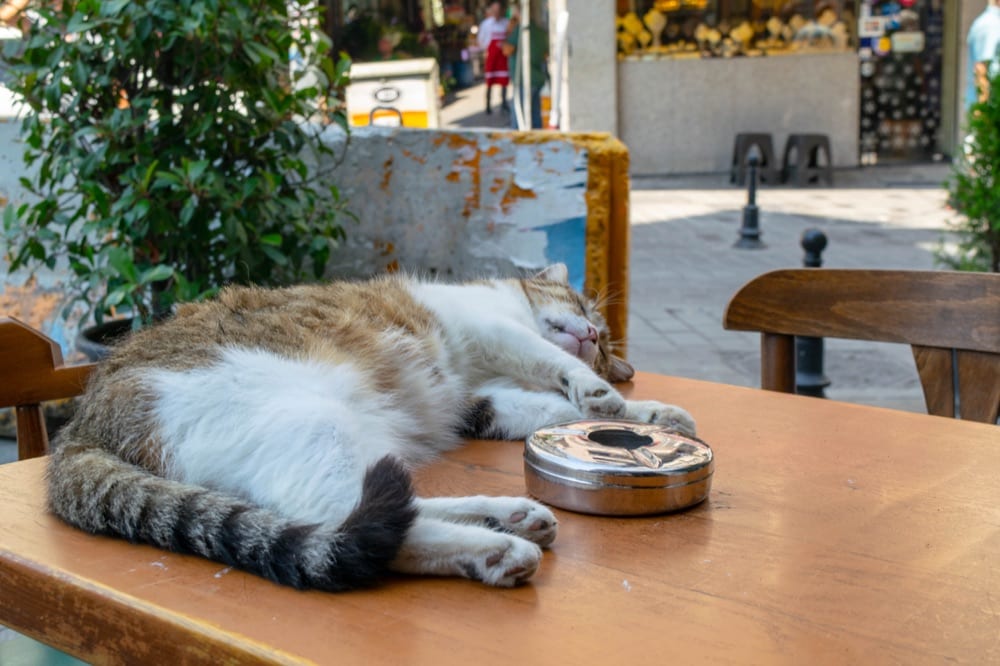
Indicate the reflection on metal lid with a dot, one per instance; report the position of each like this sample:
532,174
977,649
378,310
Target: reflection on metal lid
617,467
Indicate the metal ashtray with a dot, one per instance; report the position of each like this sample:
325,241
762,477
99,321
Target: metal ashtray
617,468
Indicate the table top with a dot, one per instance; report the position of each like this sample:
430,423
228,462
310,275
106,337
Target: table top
833,533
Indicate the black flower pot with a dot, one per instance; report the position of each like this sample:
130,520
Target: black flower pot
95,342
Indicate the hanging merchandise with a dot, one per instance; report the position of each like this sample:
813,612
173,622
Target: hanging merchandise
900,51
684,29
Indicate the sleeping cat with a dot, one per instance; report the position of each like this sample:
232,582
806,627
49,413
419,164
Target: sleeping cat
272,430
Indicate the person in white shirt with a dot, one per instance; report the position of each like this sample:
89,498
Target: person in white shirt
984,53
492,33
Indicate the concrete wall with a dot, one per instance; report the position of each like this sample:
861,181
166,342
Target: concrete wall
459,203
680,116
959,16
591,68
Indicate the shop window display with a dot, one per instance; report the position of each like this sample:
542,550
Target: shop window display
901,50
650,29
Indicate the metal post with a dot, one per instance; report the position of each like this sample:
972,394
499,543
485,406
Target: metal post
750,229
809,377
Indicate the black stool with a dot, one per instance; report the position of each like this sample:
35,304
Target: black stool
744,143
807,168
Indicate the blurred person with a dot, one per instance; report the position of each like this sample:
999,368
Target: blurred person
538,42
386,48
492,33
984,44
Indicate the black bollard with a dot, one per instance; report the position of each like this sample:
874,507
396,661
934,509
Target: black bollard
813,242
809,377
750,229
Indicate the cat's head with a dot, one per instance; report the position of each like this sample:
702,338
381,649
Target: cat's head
573,323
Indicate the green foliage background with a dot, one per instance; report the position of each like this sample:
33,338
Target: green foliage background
172,151
974,190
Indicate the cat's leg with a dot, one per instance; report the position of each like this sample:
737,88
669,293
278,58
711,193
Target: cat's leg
506,349
442,548
509,350
513,515
537,361
506,411
501,410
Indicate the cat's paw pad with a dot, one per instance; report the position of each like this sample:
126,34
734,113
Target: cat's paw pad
525,518
512,564
595,397
671,416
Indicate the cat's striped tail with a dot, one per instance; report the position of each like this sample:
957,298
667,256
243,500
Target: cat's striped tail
97,491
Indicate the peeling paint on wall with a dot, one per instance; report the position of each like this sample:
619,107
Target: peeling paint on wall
461,203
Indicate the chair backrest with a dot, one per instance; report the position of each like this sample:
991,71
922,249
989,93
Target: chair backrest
951,320
32,372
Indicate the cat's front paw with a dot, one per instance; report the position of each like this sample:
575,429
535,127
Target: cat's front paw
524,517
593,396
512,563
671,416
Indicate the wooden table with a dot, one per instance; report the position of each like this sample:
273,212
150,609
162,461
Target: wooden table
834,534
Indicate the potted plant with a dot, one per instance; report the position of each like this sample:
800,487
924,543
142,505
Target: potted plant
974,190
171,147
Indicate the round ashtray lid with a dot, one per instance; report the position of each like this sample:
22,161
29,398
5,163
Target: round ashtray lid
617,467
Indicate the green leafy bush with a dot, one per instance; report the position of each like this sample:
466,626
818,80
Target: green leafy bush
172,146
974,190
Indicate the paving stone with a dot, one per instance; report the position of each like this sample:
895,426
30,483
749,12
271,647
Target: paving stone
684,269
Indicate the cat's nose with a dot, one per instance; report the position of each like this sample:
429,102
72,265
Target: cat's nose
591,334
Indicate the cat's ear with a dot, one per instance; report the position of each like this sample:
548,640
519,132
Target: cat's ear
620,370
554,273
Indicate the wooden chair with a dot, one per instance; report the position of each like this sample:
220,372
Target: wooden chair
951,320
32,372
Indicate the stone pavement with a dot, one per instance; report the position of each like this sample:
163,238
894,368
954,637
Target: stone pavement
684,269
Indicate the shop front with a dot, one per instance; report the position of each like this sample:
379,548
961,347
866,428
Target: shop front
879,78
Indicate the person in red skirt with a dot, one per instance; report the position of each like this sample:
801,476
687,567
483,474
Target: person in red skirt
492,34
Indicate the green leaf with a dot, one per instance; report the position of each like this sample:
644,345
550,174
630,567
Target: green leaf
194,170
78,22
187,211
271,239
343,69
156,274
147,177
167,179
121,261
116,296
9,217
274,255
113,7
260,54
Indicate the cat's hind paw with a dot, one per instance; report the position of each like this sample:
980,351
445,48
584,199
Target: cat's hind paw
513,563
520,516
523,517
